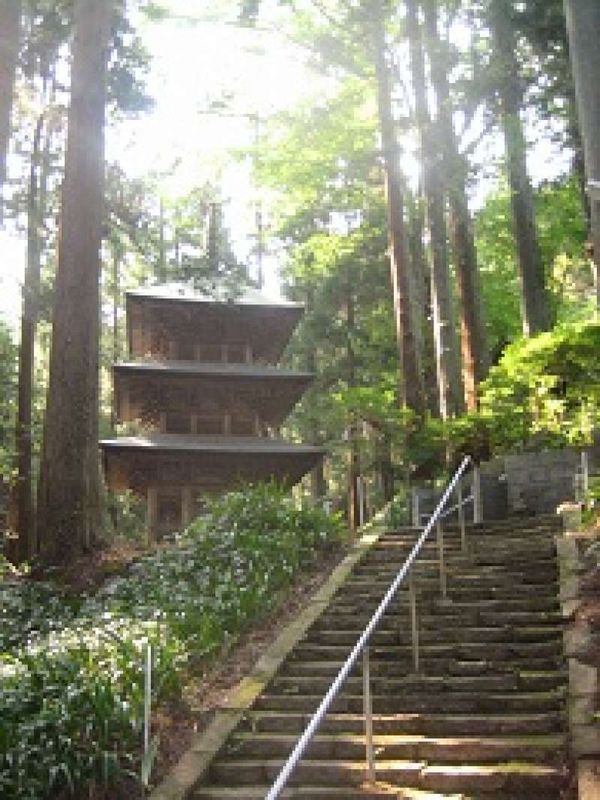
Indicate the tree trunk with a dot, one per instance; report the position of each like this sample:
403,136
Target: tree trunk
318,484
25,519
474,355
161,272
422,300
69,492
10,27
385,466
535,308
353,455
583,26
446,350
116,265
412,393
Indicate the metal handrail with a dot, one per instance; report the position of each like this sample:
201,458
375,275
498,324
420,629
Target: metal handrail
361,646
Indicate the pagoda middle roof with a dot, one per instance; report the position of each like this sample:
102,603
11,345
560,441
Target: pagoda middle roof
212,369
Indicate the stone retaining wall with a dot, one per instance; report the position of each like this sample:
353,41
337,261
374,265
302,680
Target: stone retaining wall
525,484
580,595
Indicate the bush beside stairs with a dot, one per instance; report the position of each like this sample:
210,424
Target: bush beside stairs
484,718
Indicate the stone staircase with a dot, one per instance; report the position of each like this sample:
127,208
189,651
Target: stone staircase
485,718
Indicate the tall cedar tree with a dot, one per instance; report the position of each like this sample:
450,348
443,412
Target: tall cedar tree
25,519
412,392
10,25
583,24
474,354
535,307
446,355
69,488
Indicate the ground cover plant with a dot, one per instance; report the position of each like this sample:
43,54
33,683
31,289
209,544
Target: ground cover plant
71,677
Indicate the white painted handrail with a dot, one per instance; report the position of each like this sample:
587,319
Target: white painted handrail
360,647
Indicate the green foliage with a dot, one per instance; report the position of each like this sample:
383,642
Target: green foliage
545,390
499,283
544,393
127,515
562,234
71,675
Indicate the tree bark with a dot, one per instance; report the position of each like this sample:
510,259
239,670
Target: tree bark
421,303
69,492
161,272
353,455
583,27
385,466
318,484
10,28
25,519
446,350
535,308
412,393
474,355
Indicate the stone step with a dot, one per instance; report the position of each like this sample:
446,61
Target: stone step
493,577
399,624
427,635
498,651
423,724
483,720
339,615
323,793
429,665
408,747
449,702
364,592
429,586
445,611
510,777
415,684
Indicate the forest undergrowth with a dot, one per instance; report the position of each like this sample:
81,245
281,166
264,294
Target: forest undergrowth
71,665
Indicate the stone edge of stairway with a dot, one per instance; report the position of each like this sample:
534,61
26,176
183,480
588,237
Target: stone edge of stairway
192,765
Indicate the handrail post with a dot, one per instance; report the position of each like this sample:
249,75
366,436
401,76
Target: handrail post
477,507
442,560
461,518
368,712
416,511
414,623
585,476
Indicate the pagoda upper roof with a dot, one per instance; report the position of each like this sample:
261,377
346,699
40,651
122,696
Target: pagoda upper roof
252,318
186,292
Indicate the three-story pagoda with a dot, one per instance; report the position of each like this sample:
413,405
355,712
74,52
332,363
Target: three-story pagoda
204,385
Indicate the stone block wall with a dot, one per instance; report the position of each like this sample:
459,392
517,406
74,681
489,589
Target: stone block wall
581,645
537,483
526,484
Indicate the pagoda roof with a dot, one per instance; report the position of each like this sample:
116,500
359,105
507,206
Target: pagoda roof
220,462
251,318
213,369
187,293
191,443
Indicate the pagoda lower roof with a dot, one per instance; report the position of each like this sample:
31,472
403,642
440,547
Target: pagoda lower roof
212,369
191,443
